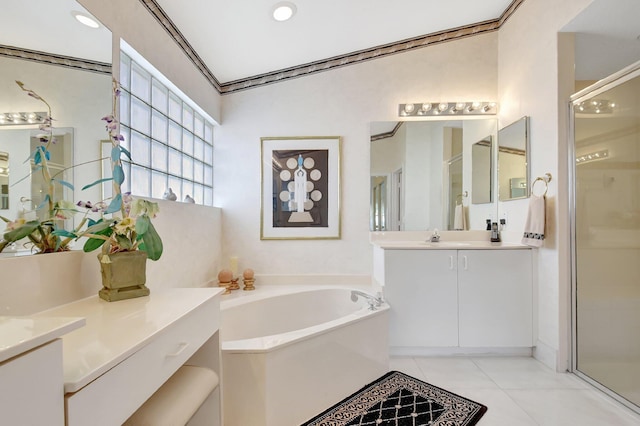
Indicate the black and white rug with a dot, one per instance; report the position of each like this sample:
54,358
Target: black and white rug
396,399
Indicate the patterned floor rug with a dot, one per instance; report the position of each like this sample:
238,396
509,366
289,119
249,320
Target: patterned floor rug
396,399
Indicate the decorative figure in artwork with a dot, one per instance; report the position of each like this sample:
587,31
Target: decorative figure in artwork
300,194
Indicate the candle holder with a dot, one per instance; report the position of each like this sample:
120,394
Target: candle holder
224,280
248,279
234,284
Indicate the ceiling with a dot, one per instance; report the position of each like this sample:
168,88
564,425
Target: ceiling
239,39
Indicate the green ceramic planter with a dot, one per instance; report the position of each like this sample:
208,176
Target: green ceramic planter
123,275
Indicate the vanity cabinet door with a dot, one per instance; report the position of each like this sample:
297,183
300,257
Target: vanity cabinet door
495,298
421,288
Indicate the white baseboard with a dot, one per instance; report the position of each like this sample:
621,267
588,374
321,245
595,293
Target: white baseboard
546,355
399,351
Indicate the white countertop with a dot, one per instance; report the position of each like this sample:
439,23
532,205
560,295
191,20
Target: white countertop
116,330
21,334
446,245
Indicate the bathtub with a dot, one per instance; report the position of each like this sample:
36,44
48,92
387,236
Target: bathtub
290,352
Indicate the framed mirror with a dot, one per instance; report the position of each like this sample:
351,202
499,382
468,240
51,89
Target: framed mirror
68,65
513,161
421,175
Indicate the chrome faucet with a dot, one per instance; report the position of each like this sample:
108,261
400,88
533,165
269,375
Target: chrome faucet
374,301
435,237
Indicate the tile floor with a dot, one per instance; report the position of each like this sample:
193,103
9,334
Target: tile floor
519,391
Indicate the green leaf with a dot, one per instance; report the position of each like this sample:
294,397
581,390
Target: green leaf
63,182
96,182
93,243
152,243
21,232
118,174
124,242
115,204
125,151
99,227
142,225
63,233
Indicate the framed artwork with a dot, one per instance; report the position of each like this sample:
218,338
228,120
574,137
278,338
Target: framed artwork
300,187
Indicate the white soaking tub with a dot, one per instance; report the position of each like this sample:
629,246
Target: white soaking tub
290,352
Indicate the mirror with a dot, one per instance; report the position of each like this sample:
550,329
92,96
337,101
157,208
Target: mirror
513,161
78,96
421,175
482,171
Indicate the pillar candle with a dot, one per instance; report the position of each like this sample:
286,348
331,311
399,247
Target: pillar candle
233,263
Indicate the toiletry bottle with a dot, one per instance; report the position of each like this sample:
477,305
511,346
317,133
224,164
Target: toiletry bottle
495,234
488,224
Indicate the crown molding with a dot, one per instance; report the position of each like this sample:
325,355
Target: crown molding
53,59
325,64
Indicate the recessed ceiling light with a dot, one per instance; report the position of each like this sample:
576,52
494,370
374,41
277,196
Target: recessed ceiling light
85,19
283,11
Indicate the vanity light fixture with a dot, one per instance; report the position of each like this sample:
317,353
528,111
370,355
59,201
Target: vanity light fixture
283,11
85,19
447,108
593,156
21,118
596,106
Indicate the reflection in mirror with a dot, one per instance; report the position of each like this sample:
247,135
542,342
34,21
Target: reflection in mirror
75,79
378,203
482,173
421,171
513,160
4,180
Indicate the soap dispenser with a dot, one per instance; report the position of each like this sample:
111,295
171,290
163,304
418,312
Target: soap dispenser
495,233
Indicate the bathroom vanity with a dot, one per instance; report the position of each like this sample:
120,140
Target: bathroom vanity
456,297
129,349
31,369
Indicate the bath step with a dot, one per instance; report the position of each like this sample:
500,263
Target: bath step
178,398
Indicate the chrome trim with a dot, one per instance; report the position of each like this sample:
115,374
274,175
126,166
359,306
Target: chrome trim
622,76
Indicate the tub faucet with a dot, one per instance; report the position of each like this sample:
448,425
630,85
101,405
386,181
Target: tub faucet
374,301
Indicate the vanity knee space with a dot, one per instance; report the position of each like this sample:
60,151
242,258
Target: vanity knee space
462,298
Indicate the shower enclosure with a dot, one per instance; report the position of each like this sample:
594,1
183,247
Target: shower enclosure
606,235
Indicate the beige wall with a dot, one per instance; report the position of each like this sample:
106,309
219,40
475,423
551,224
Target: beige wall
340,102
538,84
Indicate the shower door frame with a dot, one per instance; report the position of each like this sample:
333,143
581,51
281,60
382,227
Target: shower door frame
620,77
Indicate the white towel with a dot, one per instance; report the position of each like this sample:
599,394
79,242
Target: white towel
534,227
459,220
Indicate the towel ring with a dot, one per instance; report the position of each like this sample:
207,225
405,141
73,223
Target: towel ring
460,196
545,180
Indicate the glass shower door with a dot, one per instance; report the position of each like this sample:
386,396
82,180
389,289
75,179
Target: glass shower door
606,230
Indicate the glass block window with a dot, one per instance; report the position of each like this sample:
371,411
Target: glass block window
171,144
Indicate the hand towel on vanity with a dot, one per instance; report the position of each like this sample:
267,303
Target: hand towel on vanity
534,227
459,221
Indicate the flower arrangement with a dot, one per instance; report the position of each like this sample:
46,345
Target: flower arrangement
131,231
46,235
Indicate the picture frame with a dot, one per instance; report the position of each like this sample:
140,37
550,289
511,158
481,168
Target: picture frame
300,187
